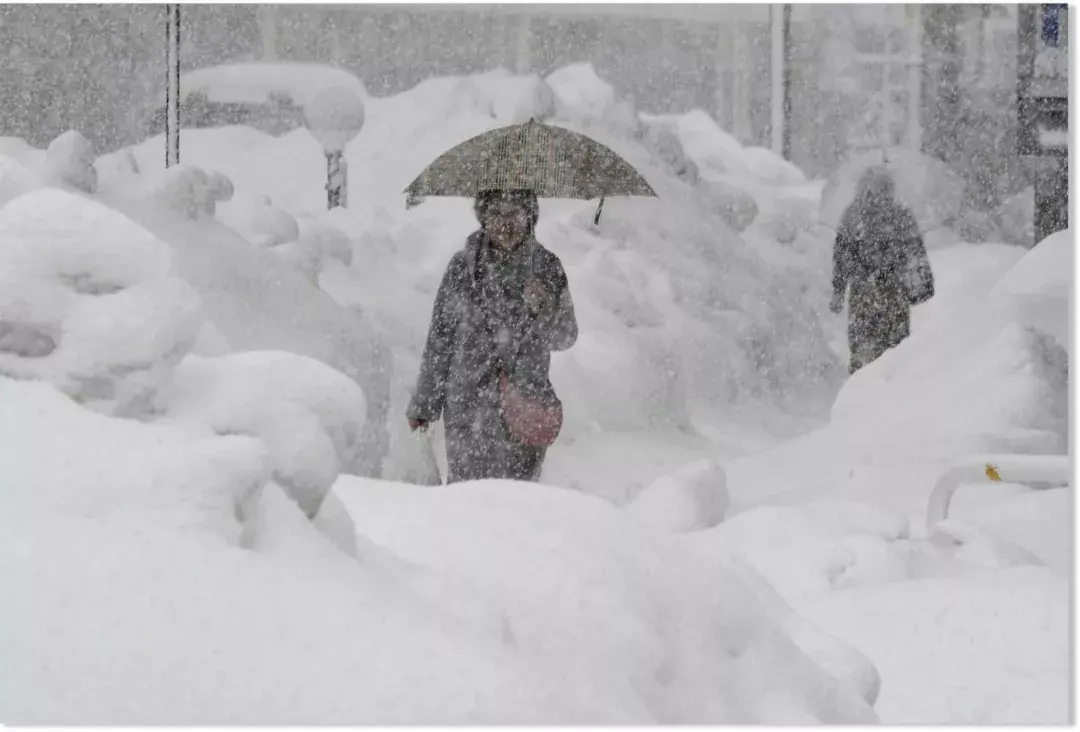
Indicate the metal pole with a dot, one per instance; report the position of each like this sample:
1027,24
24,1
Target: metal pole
776,73
172,85
914,74
886,79
785,143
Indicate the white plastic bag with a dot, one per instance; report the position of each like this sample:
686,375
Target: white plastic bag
412,458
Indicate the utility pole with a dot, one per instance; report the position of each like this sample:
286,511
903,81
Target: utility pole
886,78
780,102
172,85
913,128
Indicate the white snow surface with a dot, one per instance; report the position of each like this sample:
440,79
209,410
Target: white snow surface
531,605
495,602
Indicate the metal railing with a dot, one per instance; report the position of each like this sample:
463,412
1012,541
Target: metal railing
993,469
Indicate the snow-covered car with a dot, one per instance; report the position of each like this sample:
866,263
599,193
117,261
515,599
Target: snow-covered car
266,96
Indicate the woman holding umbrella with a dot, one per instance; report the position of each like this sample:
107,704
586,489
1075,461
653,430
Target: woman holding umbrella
504,305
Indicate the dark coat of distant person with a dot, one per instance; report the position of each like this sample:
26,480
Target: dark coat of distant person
879,254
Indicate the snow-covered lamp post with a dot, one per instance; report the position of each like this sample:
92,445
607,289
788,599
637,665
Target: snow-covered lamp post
334,116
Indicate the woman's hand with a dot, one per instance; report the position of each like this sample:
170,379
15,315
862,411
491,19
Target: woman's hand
536,295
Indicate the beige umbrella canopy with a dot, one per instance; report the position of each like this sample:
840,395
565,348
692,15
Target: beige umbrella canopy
553,162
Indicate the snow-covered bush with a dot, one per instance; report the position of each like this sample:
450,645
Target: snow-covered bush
693,498
500,95
89,302
325,239
581,93
663,143
189,191
116,168
17,179
737,208
309,416
1015,218
259,221
70,159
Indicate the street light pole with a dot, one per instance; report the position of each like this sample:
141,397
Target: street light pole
172,85
776,72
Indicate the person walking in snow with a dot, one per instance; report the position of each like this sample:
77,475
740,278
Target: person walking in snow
503,306
880,254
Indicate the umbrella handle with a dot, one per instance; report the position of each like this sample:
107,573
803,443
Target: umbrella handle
596,219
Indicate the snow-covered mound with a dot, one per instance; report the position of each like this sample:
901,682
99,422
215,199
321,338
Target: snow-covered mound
256,301
17,178
617,609
70,159
1040,285
309,416
89,302
973,378
579,618
254,83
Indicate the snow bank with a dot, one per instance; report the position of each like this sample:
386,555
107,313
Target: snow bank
17,179
617,609
256,302
990,649
259,221
88,302
122,595
70,159
693,498
256,83
308,415
1040,284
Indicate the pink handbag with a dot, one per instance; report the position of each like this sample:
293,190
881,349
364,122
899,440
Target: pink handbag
529,421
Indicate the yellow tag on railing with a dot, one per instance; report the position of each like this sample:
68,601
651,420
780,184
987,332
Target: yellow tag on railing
992,473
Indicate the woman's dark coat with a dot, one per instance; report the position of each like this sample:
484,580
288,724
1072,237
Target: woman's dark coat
481,322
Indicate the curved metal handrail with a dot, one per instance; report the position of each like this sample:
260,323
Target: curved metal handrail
993,468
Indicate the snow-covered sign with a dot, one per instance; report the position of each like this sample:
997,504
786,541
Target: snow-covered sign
334,115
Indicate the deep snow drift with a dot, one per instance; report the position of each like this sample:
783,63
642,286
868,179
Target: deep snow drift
153,546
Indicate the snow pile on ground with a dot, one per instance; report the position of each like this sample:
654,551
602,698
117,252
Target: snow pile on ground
834,519
532,605
973,378
257,83
256,301
617,609
17,179
70,159
309,417
990,649
119,596
1040,284
88,302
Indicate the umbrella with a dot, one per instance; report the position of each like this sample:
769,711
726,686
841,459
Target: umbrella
927,186
553,162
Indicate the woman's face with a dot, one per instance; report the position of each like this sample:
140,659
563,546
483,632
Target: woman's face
507,224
